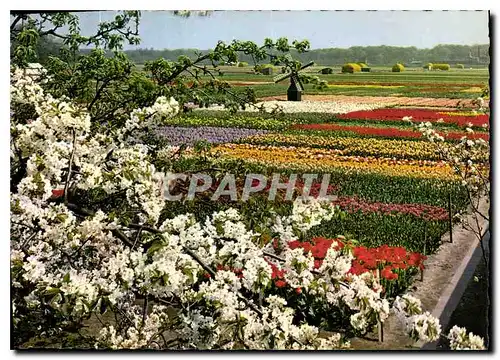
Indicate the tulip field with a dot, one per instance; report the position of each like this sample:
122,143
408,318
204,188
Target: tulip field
389,181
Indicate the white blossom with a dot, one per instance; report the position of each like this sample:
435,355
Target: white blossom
460,340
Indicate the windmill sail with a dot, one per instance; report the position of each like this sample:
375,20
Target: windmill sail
281,77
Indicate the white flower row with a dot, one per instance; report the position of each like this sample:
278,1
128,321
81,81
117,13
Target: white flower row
333,107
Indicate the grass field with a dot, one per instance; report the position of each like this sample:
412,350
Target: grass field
459,84
413,82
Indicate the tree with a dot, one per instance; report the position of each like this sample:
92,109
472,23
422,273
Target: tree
107,82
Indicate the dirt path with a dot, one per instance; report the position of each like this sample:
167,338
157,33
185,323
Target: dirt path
248,83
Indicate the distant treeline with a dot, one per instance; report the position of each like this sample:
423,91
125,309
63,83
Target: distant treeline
472,55
374,55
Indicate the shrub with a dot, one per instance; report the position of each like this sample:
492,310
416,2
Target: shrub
242,64
327,71
266,69
441,67
364,67
351,68
428,66
398,68
460,66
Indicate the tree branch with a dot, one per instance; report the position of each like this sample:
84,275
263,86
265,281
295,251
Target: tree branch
180,70
99,91
145,309
68,177
16,20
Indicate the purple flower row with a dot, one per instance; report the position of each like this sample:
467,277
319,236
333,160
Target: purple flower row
190,135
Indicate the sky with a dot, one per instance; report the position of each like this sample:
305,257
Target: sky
324,29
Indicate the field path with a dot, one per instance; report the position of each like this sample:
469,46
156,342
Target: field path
248,83
387,100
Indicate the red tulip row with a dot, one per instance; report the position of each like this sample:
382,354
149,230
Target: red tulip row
417,115
384,258
427,212
352,204
387,261
388,132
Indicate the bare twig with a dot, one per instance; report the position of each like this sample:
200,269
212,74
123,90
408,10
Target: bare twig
145,309
119,234
137,237
68,177
81,247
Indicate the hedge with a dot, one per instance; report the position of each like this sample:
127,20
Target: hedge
398,68
242,64
327,71
428,66
364,67
441,67
351,68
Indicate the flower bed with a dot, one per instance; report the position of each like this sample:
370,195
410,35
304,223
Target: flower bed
326,159
400,149
240,121
185,135
396,265
419,115
406,83
385,100
350,204
427,212
310,106
386,132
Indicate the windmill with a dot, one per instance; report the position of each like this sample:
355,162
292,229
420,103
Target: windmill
294,92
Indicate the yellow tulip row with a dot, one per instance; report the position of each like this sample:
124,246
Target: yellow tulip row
324,160
460,113
474,89
401,149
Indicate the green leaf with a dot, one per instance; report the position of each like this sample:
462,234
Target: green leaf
52,291
66,278
157,245
61,217
56,298
165,279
